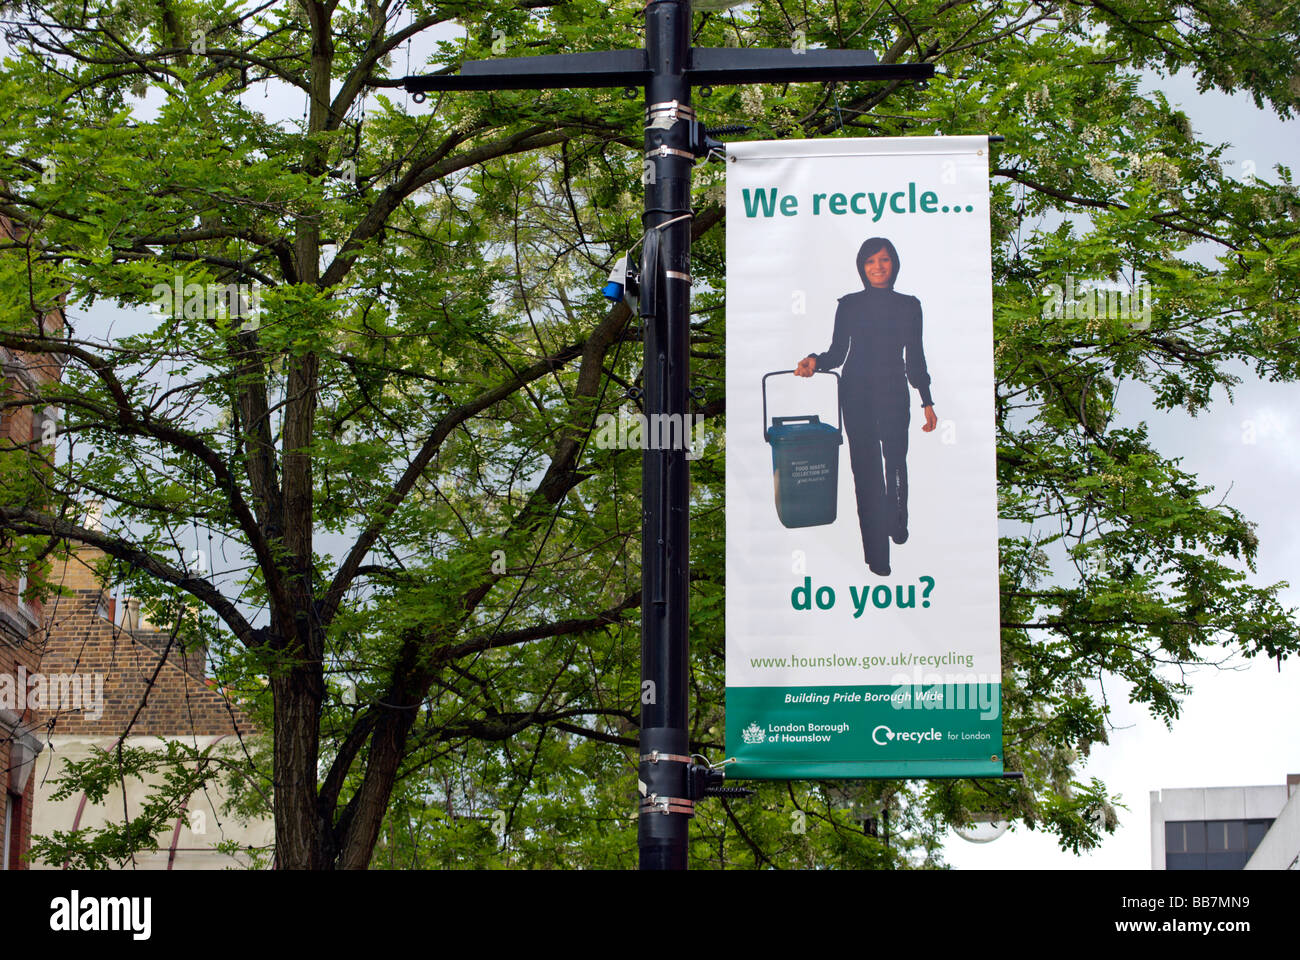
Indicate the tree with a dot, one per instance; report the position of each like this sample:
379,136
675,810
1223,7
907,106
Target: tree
436,567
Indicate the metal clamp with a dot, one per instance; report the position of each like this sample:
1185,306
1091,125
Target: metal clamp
664,116
666,805
676,275
654,756
666,151
673,108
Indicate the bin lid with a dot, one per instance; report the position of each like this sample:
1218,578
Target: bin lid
815,431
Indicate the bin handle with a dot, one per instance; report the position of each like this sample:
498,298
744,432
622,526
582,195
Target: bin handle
839,416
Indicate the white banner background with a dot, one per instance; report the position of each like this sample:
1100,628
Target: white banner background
779,264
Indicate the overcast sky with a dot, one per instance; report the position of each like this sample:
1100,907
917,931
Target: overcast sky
1240,727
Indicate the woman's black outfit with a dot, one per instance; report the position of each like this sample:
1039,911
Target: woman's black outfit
877,338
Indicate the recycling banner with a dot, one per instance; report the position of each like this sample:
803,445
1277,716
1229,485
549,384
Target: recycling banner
862,613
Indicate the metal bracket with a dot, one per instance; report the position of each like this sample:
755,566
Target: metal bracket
708,781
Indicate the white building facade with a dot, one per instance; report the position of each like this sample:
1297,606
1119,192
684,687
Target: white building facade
1226,828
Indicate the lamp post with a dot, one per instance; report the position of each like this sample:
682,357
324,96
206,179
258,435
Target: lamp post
667,68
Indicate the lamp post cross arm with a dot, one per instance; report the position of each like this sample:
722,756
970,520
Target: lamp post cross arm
715,66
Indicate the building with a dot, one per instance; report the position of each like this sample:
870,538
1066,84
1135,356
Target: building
79,674
19,744
1226,828
24,427
1280,848
116,676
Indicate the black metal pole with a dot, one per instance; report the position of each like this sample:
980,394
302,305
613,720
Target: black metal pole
664,821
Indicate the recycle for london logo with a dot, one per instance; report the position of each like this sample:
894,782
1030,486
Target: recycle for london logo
753,734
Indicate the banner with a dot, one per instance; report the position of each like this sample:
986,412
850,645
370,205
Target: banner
862,552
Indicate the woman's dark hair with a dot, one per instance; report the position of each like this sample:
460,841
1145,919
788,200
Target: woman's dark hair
869,249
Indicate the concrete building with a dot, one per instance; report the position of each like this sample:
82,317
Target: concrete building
1280,848
1225,828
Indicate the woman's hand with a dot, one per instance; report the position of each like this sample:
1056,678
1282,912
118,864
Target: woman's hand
806,368
931,421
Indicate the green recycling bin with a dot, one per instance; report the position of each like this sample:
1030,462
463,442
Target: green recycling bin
805,462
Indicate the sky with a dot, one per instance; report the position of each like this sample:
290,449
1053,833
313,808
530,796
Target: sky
1239,727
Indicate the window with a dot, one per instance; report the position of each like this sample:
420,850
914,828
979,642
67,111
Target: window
23,606
1212,844
1185,845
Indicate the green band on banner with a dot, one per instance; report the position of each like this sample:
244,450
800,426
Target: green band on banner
835,732
860,770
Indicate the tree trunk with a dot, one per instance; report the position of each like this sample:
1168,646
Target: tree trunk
302,837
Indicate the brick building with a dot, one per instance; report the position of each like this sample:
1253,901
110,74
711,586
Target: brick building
23,427
118,676
19,740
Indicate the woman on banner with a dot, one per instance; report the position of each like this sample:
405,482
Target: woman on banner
877,339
